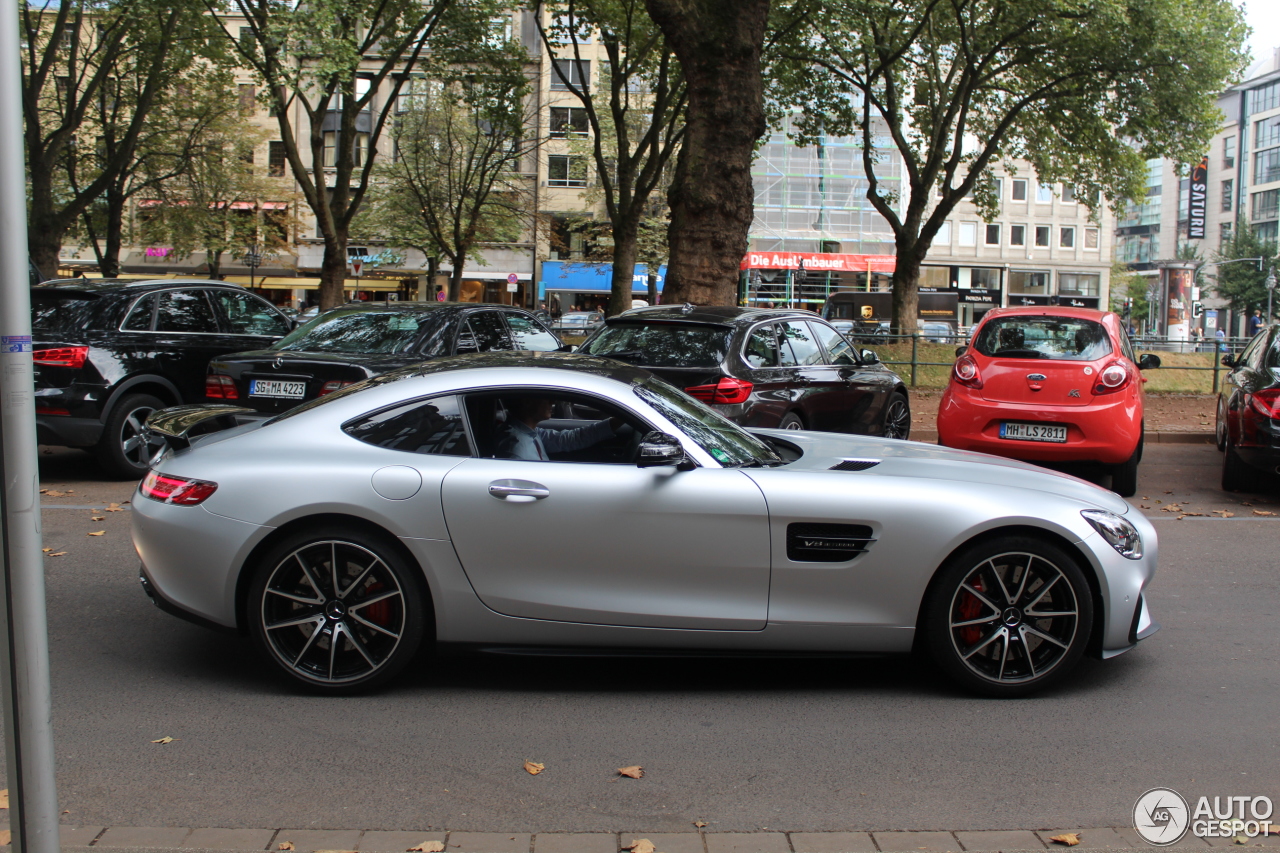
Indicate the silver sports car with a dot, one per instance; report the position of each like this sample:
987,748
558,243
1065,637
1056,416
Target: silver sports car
557,501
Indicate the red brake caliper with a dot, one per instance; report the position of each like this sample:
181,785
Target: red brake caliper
970,608
379,613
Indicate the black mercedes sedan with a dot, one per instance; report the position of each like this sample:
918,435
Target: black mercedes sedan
1248,423
766,368
353,343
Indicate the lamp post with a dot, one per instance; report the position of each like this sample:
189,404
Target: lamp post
1270,284
253,260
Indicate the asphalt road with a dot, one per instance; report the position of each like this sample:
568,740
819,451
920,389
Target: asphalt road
742,745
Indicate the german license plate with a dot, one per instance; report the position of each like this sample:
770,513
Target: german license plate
277,388
1033,432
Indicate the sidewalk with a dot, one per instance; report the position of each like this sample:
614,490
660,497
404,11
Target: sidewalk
125,839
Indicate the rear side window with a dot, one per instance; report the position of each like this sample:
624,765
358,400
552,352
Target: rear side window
62,314
527,334
1062,338
357,331
432,426
762,348
662,345
246,314
483,331
185,311
139,319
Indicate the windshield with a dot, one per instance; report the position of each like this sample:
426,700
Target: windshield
725,441
60,314
1066,338
357,331
661,345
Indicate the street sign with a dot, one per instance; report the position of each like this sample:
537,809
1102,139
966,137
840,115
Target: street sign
440,296
356,266
512,278
512,287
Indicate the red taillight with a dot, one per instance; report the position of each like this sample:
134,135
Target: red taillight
965,371
728,390
61,356
51,410
1114,377
1267,403
220,387
334,385
176,490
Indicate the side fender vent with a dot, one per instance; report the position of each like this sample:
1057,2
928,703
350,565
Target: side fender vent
855,464
810,542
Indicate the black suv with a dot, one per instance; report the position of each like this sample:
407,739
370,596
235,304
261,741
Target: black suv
781,369
109,352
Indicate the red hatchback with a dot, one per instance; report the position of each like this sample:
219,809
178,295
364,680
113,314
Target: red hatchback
1049,385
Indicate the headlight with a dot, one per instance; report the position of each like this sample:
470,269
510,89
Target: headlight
1118,532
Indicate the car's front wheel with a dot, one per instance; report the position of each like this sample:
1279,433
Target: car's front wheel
1009,616
337,610
791,421
125,449
897,418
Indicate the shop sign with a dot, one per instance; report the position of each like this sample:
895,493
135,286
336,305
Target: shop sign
818,262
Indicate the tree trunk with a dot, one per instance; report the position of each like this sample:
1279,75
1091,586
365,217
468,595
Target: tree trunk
718,43
624,268
906,283
45,230
333,271
455,279
428,291
109,260
213,260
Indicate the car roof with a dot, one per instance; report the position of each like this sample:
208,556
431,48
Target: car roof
105,286
1048,311
719,315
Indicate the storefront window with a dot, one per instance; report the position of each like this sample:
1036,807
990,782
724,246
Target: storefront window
939,277
984,277
1078,284
1028,282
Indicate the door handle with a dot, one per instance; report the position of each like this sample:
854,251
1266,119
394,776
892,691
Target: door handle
507,489
801,379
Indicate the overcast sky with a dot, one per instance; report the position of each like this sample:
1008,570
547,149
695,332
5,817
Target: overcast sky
1264,17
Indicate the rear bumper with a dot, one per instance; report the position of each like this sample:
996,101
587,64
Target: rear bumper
1106,432
61,431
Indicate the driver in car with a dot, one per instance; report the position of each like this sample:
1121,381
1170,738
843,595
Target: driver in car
521,437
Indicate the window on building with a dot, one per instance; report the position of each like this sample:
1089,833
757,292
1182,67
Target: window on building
415,93
1029,282
1068,193
68,39
568,121
62,85
1044,193
992,237
246,38
247,98
1019,189
248,156
277,162
984,277
577,72
1017,235
1266,231
331,149
1042,235
1229,152
968,233
1265,98
1266,166
499,31
1091,238
1228,194
1266,205
1224,234
1078,283
1067,237
943,237
1267,132
564,170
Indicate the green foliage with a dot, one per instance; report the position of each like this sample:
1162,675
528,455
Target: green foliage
1242,283
1129,285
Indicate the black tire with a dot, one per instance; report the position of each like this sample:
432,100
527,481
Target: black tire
1237,476
298,605
1124,477
976,618
1220,427
897,417
121,451
791,421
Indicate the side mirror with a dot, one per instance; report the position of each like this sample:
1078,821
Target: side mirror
1228,360
869,357
1148,361
568,348
659,448
961,350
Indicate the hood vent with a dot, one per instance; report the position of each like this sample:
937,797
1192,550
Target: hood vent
813,542
855,464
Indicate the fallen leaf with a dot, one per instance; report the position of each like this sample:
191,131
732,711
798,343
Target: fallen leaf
427,847
97,518
167,739
1143,506
5,837
1204,423
43,491
534,768
642,845
1241,839
285,845
58,554
97,533
1245,503
54,493
634,772
1262,512
1167,492
46,550
4,799
1201,514
1070,839
113,507
1224,513
699,823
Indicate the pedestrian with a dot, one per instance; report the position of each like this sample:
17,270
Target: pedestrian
1197,337
1221,335
1255,322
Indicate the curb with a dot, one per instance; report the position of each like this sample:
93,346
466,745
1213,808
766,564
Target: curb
930,436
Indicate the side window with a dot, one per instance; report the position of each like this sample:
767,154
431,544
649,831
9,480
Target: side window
1273,352
184,311
1126,346
762,348
483,331
1252,356
803,344
552,426
838,349
528,334
246,314
139,319
432,426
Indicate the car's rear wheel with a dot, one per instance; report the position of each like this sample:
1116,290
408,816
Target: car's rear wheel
124,450
337,610
791,421
1220,427
897,418
1009,616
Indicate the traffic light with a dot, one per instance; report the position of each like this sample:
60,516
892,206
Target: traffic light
1197,310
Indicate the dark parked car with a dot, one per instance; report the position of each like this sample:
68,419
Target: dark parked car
109,352
353,343
579,322
1248,424
762,367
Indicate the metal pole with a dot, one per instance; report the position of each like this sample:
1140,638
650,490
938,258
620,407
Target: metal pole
24,633
915,340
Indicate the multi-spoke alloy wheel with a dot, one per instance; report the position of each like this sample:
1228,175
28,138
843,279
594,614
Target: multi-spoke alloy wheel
337,611
126,449
1009,616
897,418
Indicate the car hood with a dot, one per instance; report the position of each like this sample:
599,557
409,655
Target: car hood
374,362
896,458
